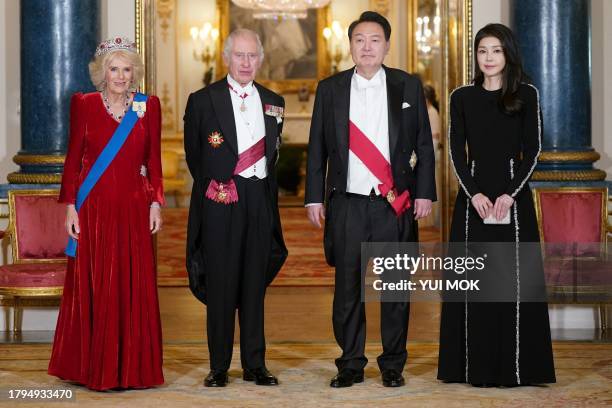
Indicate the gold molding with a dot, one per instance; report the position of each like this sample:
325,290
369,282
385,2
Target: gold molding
167,111
50,291
164,12
6,300
34,178
411,49
39,159
568,175
145,42
380,6
139,38
43,301
469,58
590,156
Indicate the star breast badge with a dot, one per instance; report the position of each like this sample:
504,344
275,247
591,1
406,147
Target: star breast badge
215,139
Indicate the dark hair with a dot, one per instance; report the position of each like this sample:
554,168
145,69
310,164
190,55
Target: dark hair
430,95
372,17
512,75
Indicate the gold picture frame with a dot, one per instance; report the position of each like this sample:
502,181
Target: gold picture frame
284,85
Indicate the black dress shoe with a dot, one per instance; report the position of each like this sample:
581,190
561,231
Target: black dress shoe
216,378
346,378
392,378
261,376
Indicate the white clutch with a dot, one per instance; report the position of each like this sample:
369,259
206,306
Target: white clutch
492,220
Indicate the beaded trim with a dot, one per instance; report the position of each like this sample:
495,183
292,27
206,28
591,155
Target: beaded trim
467,230
518,283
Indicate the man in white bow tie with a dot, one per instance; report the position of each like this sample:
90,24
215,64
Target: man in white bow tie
235,244
366,123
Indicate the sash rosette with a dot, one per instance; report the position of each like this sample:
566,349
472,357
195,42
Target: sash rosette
226,193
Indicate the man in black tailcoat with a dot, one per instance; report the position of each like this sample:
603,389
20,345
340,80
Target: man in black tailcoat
367,123
235,245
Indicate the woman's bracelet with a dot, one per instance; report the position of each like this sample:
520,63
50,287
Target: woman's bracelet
155,204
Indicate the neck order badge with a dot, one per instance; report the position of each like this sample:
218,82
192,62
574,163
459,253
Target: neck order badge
106,157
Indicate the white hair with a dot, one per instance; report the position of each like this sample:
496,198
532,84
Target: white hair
241,32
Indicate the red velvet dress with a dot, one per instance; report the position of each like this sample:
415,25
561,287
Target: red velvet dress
108,332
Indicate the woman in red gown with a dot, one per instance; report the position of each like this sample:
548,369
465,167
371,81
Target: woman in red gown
108,333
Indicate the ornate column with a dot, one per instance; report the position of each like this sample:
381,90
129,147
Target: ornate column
555,41
58,39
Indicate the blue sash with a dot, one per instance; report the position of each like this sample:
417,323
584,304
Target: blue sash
103,161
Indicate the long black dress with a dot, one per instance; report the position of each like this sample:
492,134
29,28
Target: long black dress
495,343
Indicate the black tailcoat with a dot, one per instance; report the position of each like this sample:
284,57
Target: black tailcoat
210,110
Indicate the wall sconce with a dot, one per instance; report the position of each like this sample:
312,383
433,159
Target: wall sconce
204,48
337,46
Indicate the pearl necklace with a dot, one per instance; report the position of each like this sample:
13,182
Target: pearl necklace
108,105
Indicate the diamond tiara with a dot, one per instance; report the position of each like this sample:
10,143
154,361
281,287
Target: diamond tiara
114,44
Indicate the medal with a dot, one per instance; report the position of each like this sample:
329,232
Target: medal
215,139
273,110
243,107
140,108
221,196
390,196
413,160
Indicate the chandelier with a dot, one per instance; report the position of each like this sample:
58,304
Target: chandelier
280,9
428,39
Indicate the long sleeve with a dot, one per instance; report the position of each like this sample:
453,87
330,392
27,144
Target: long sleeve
74,156
457,147
191,137
154,168
531,141
426,162
317,154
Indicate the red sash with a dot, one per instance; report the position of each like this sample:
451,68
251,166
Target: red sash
371,157
226,193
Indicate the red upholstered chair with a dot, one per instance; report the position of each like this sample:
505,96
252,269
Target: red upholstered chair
573,225
37,238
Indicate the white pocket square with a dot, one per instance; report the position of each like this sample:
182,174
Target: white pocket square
278,120
405,105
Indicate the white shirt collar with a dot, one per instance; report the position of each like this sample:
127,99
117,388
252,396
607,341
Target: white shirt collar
377,80
238,88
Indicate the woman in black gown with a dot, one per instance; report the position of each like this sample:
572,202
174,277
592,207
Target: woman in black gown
498,116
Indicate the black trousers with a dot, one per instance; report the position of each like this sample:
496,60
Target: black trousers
355,220
237,246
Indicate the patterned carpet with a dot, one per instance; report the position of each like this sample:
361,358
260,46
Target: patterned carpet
584,375
305,265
